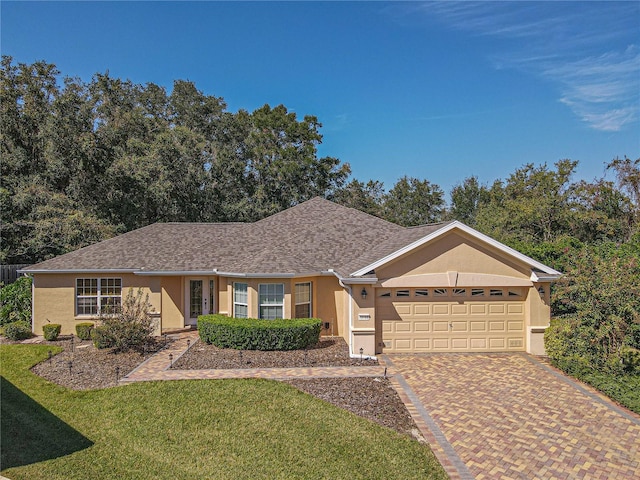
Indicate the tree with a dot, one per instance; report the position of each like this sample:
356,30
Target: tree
466,199
628,175
367,197
531,206
15,301
414,202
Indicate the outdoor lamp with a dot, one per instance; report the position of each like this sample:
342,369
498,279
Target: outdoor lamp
363,293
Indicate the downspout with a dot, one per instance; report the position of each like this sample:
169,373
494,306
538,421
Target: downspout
33,304
349,289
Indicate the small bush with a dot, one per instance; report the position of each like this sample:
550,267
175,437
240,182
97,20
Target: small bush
253,334
83,330
128,327
630,358
19,330
51,331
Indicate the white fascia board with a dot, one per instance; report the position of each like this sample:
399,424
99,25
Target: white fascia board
535,277
474,233
174,273
359,281
255,275
82,270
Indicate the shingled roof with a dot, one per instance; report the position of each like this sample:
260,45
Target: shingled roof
307,239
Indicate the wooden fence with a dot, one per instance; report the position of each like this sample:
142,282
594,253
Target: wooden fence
9,273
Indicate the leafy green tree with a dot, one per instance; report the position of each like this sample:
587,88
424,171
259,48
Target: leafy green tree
15,301
531,206
414,202
466,200
367,197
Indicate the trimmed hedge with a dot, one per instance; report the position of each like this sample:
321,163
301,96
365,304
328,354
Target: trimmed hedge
254,334
51,331
83,330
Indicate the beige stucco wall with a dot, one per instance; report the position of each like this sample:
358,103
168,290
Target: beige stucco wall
54,298
455,252
172,301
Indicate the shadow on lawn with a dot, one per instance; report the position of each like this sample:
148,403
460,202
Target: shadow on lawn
30,433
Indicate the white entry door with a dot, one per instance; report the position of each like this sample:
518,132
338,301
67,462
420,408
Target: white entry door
200,298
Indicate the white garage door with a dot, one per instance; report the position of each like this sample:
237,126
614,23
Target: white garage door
451,319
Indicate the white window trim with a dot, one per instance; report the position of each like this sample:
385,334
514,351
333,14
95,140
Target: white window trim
310,302
98,295
260,305
240,303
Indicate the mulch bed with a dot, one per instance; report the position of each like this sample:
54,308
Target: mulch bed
328,352
90,368
371,398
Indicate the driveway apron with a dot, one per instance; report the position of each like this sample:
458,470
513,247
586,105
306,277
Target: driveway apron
510,416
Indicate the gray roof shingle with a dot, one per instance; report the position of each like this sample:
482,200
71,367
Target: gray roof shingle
309,238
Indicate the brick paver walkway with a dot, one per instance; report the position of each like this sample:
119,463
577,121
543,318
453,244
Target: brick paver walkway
157,367
508,416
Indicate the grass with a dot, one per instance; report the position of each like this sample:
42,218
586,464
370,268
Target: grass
190,429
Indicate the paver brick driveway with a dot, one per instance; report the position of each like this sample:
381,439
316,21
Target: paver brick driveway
499,416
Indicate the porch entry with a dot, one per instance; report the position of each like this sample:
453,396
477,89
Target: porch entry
200,298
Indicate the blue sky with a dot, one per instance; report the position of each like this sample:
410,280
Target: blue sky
435,90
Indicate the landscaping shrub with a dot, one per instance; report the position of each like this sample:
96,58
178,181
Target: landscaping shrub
15,301
128,327
254,334
51,331
83,330
19,330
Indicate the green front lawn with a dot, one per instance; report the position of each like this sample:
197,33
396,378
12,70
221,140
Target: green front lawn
190,429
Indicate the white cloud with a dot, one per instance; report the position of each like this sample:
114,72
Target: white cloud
586,49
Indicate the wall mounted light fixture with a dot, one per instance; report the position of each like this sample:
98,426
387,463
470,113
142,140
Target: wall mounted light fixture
363,293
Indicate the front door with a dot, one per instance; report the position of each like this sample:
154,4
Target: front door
200,298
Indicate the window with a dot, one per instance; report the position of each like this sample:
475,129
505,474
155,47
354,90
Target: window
402,293
303,300
195,298
459,292
421,293
495,292
477,292
212,295
94,295
439,292
271,300
240,300
515,293
385,294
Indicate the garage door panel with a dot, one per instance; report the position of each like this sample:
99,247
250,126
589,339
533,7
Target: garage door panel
460,309
459,326
440,344
515,326
403,327
478,326
478,309
496,309
497,326
440,326
515,308
460,343
422,327
451,324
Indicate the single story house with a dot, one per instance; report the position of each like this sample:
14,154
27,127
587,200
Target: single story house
442,287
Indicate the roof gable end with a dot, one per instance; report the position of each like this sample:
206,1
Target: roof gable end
547,272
